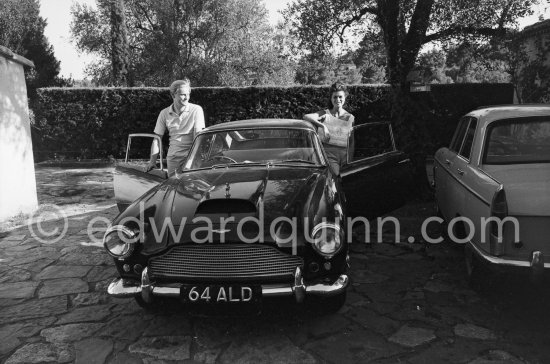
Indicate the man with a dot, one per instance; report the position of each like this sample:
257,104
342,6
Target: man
183,120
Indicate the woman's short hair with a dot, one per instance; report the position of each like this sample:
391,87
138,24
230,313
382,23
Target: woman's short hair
179,83
338,86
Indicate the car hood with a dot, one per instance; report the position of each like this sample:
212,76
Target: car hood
242,192
238,192
527,187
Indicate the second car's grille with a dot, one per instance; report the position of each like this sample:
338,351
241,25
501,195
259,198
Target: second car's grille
224,262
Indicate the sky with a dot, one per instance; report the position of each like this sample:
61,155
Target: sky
58,16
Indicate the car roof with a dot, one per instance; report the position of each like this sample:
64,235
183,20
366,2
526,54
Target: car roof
499,112
261,123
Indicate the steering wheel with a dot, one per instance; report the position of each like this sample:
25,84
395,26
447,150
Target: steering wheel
222,157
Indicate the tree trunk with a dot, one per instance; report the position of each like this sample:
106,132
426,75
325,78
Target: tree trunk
119,44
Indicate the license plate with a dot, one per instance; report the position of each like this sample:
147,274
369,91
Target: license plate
220,294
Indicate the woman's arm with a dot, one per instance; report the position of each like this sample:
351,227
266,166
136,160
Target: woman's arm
317,119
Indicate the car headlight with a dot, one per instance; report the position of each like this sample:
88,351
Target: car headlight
327,238
119,241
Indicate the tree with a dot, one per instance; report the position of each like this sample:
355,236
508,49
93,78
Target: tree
119,43
404,24
212,42
22,31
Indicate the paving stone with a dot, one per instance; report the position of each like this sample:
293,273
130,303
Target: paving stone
36,266
471,331
35,254
40,353
125,328
101,273
373,321
368,277
101,258
18,289
412,336
206,356
14,238
64,271
437,287
169,326
497,357
124,358
459,351
92,351
70,332
90,298
329,324
266,348
63,286
10,302
85,314
357,346
163,347
34,308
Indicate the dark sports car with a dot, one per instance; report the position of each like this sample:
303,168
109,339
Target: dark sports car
255,212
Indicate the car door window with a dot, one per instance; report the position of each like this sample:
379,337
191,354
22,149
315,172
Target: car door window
466,149
458,137
369,140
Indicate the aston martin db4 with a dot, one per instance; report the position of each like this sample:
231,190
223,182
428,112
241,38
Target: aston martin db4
255,212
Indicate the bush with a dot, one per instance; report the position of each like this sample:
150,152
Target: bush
95,122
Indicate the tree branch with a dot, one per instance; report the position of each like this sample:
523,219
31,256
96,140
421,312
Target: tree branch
463,30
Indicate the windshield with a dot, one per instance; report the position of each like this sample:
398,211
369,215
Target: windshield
249,146
518,141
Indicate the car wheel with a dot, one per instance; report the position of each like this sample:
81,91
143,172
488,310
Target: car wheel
327,305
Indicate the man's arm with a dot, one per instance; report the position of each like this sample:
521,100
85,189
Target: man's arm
155,151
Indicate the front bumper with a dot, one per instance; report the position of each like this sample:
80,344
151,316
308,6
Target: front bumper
147,290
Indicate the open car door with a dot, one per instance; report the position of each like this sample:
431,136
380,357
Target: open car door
377,175
130,179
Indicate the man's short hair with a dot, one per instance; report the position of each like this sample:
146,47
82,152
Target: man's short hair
179,83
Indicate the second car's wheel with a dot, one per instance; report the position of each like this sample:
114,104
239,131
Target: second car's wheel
327,305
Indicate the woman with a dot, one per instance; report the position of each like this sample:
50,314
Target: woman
334,125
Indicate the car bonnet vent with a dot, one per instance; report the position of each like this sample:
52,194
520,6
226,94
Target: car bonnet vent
225,206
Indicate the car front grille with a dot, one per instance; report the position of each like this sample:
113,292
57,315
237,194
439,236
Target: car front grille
224,262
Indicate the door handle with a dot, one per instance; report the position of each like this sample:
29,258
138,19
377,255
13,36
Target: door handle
460,171
447,162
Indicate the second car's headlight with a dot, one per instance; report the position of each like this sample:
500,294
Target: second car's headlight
327,238
119,241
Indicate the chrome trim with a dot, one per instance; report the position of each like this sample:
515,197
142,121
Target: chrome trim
119,290
330,225
146,287
299,288
154,136
128,232
537,261
506,262
479,197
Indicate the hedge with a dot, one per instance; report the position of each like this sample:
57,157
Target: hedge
95,122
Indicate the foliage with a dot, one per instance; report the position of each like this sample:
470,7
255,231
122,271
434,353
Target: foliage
212,42
95,122
22,31
405,25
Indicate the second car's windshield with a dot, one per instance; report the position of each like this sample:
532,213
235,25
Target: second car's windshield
249,146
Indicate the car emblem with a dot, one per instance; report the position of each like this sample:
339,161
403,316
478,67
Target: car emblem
220,231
